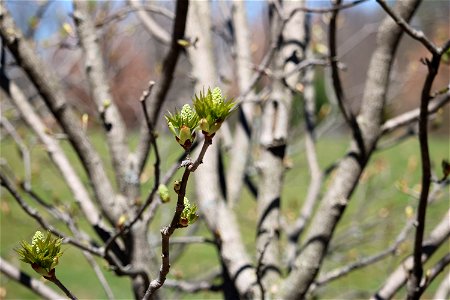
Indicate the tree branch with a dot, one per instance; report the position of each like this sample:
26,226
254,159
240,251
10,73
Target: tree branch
164,83
414,290
54,98
23,148
35,285
167,231
415,34
150,25
334,202
55,152
398,277
413,115
35,215
98,83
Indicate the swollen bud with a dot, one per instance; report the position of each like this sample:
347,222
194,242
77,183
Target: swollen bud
163,192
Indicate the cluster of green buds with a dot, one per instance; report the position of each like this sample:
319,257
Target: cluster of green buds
183,125
211,110
189,214
42,254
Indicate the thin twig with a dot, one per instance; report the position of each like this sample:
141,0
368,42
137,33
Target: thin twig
124,12
416,276
23,150
413,115
61,286
151,196
328,9
167,231
168,68
35,215
415,34
337,84
432,273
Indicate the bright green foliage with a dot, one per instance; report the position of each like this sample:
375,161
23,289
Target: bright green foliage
189,214
42,253
183,125
213,109
163,192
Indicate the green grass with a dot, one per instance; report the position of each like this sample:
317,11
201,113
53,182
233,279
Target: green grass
376,211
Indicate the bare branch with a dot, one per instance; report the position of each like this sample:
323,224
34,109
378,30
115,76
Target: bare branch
23,149
35,215
151,196
432,273
327,10
415,34
36,286
72,179
123,13
414,290
36,19
413,115
315,172
54,98
398,277
443,291
239,152
98,83
164,83
334,202
167,231
220,219
361,263
150,25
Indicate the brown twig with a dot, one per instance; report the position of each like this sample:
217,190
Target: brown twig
337,84
414,291
167,231
35,215
415,34
151,196
168,68
61,286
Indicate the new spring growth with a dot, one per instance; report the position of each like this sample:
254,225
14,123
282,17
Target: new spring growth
189,214
163,192
183,125
213,109
42,254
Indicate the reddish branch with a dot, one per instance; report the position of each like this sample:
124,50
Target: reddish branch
167,231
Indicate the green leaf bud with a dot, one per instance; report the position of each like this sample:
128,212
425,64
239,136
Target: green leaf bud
42,254
163,192
183,125
213,109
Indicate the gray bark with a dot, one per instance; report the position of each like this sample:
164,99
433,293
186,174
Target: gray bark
218,216
96,76
333,204
54,98
239,153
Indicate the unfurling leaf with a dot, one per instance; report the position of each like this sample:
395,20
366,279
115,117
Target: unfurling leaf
42,254
189,214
